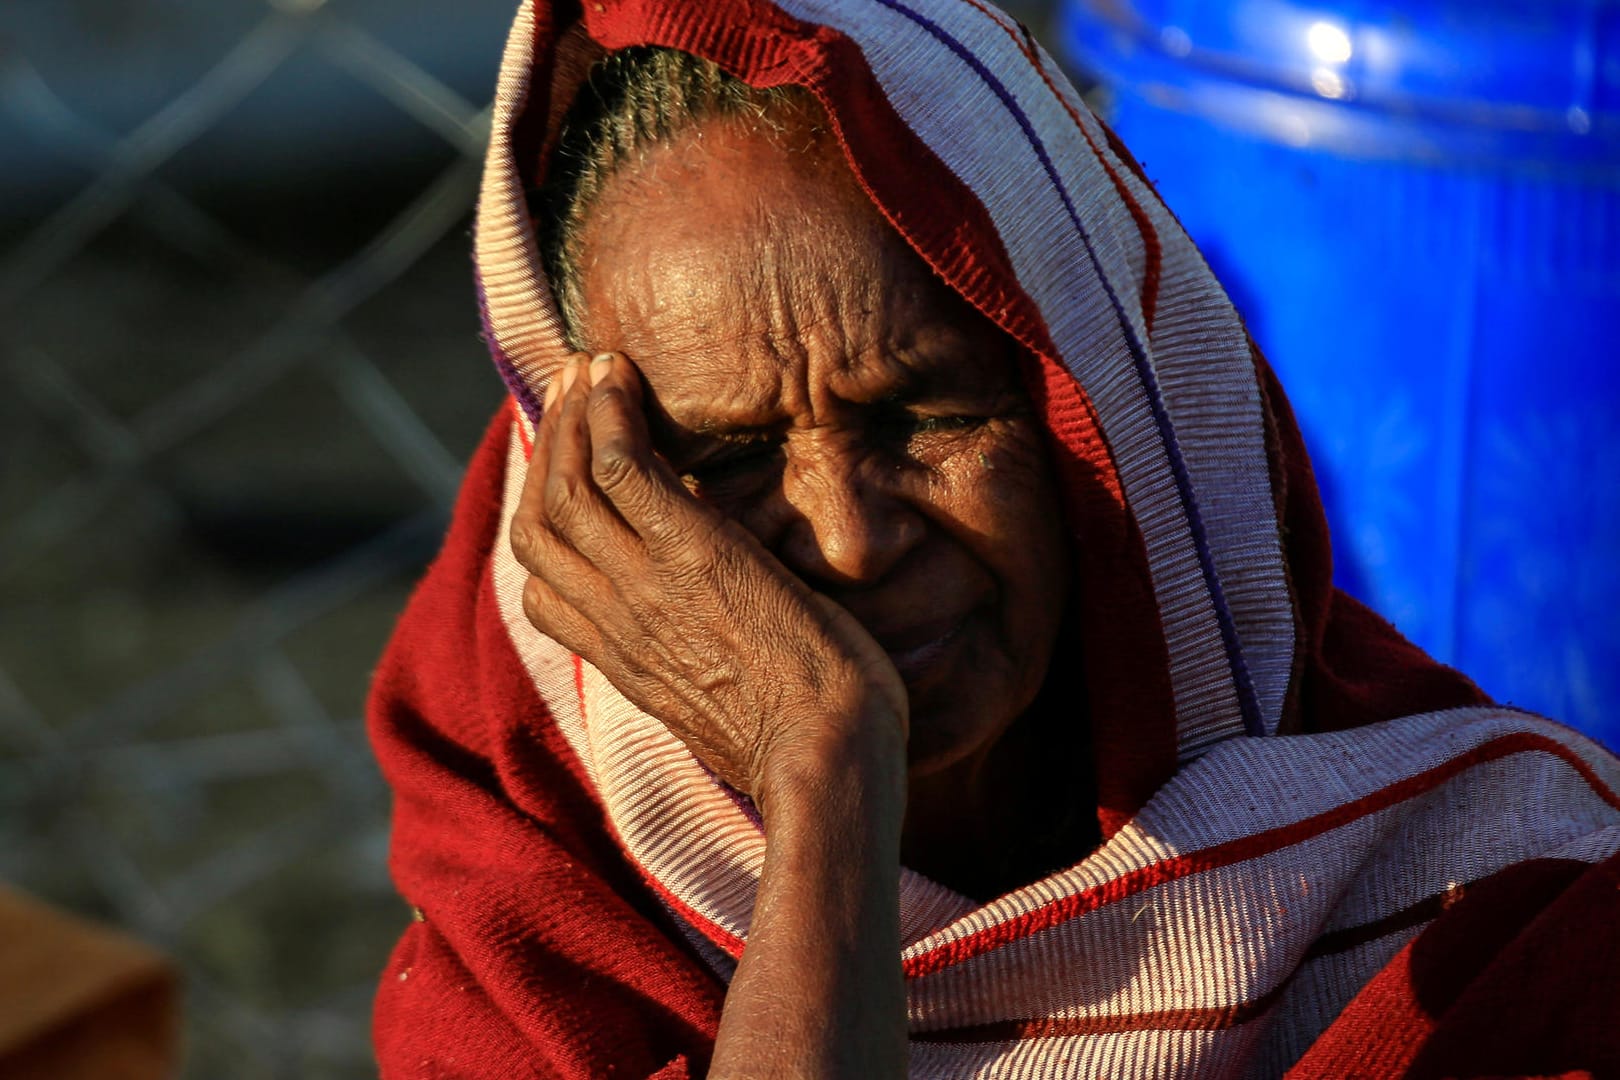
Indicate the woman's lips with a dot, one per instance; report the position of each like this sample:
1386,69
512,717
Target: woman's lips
914,658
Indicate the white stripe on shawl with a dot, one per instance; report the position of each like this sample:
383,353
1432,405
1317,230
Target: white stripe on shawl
524,329
1197,338
1229,934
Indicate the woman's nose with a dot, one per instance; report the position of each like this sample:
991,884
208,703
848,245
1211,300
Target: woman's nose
847,520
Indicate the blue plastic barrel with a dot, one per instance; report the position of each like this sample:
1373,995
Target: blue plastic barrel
1416,206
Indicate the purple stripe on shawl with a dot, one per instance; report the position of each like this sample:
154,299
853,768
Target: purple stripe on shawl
741,801
749,808
503,364
1248,702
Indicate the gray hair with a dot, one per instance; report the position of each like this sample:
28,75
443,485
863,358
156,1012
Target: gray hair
631,101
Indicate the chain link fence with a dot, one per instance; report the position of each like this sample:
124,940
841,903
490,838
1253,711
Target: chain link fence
241,372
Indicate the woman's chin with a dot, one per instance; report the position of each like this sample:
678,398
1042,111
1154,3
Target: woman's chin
944,738
966,712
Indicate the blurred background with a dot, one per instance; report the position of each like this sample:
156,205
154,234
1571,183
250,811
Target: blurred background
1415,204
241,373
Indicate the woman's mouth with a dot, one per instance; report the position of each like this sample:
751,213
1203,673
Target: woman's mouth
915,658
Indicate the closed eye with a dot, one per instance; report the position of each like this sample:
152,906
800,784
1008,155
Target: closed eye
738,464
923,424
899,424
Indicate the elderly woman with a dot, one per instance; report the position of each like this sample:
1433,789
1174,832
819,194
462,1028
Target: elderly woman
892,630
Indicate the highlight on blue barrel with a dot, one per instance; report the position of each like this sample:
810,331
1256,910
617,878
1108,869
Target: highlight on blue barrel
1416,207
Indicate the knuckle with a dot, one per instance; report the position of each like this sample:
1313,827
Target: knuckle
550,615
685,540
528,539
536,605
613,464
652,616
563,498
728,563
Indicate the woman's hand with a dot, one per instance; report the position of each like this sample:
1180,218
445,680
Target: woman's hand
773,686
683,610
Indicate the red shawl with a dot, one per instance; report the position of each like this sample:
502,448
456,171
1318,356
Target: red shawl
547,942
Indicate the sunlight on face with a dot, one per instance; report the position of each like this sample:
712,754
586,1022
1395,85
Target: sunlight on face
814,380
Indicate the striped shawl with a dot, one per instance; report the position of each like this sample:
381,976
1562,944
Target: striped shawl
1317,842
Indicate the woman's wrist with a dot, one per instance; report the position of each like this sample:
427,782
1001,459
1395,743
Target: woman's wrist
819,991
846,774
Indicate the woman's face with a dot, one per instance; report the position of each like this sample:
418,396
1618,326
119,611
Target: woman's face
814,380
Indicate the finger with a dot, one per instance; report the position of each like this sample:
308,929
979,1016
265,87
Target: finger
621,446
572,502
532,539
641,486
550,611
556,386
570,439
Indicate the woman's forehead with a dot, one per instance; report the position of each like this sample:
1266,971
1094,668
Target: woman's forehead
730,271
733,225
753,383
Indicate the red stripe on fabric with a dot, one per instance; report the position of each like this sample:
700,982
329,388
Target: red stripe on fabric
1153,251
1217,1018
522,422
1154,255
579,686
1123,152
1243,849
719,936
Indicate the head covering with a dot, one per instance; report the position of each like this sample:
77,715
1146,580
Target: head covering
1287,789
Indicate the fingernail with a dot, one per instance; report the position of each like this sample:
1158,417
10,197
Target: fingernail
553,389
601,363
570,373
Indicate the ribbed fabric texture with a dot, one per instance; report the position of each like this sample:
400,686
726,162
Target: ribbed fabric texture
1294,799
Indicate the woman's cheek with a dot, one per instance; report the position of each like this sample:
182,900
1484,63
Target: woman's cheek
1006,463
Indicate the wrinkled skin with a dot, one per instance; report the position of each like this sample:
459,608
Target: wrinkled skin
811,528
678,605
843,511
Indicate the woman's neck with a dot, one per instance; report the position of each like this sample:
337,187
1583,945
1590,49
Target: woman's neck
1024,809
